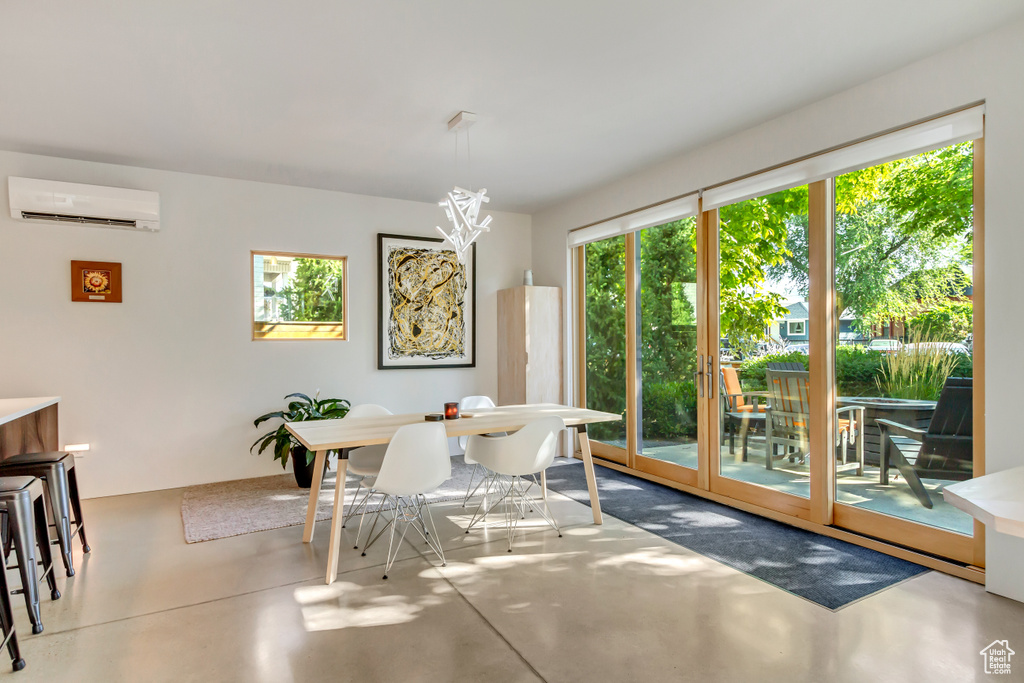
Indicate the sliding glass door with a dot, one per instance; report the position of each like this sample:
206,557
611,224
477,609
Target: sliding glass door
812,351
905,248
604,335
667,333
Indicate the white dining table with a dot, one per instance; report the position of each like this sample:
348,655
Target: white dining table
342,435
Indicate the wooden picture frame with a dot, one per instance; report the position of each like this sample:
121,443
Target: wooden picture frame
403,324
96,281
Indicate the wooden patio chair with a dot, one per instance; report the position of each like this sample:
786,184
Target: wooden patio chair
947,445
788,417
735,400
733,396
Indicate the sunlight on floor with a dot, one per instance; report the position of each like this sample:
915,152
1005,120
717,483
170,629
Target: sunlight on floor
348,605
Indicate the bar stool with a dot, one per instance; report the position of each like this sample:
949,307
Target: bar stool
21,498
10,637
57,470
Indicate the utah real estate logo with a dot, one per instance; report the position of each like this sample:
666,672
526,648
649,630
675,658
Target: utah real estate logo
997,657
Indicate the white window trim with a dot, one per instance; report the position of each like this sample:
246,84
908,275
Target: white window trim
789,323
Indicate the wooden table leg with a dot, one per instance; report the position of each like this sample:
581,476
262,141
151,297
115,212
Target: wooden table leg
588,468
544,485
336,520
314,495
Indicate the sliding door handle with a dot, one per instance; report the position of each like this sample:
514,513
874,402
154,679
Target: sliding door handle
711,373
698,377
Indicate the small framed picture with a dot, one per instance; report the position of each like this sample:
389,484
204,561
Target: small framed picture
96,281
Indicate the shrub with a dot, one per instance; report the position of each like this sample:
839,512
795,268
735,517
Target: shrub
670,410
857,370
751,372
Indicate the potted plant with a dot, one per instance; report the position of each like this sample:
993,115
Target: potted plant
301,409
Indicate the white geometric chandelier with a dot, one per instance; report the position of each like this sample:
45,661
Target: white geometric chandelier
463,206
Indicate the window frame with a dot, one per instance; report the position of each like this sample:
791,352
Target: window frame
298,331
789,327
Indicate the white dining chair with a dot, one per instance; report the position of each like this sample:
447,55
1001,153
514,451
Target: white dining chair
529,451
416,463
364,462
471,403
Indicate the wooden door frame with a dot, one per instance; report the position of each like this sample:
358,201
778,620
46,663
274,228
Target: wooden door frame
821,512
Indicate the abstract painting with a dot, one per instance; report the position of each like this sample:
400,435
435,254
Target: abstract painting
426,303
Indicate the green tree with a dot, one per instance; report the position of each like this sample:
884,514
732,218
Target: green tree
951,322
898,228
606,333
316,292
757,239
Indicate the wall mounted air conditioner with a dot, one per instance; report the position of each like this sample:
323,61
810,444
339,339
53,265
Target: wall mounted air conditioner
110,207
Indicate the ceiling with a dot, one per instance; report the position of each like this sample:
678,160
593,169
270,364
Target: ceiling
355,96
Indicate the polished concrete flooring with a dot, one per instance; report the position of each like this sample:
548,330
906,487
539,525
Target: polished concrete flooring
602,603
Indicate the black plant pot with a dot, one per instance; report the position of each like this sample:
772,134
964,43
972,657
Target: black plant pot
304,472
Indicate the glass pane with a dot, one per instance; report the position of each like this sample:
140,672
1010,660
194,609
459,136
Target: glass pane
605,273
297,296
667,342
904,239
763,285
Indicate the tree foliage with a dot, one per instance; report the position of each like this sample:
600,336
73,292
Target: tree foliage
903,241
316,292
903,230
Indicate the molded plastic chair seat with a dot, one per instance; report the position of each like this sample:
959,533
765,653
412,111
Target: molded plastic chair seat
472,403
21,499
416,463
531,450
364,461
57,470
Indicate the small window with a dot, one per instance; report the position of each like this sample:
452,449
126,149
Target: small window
299,296
796,328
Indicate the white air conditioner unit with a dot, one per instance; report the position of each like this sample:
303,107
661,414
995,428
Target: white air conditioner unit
111,207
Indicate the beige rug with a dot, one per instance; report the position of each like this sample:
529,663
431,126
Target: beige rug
233,508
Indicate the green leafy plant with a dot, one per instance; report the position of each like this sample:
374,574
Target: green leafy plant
916,372
301,409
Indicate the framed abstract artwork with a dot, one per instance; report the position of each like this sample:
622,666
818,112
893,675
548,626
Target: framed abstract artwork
96,281
426,302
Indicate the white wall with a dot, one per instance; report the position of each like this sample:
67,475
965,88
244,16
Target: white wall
987,68
165,385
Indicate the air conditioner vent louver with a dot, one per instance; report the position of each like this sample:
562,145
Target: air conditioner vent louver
63,218
52,201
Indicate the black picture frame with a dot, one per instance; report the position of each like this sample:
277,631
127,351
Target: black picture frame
383,309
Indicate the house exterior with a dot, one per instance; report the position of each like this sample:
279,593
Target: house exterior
792,327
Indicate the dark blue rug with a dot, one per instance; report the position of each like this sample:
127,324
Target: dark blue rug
824,570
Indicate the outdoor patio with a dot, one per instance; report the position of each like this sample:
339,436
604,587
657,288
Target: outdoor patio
864,491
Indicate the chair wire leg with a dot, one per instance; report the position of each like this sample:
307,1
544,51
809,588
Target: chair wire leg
476,468
484,509
391,541
436,545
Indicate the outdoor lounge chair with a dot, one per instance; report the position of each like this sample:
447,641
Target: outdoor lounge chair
735,399
947,446
788,417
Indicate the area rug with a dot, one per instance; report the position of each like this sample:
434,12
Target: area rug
827,571
233,508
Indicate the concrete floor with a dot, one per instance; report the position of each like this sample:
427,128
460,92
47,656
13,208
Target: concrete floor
608,603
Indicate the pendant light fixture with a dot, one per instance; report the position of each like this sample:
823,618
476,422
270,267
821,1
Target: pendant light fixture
462,206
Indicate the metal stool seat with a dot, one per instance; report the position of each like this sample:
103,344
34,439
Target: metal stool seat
57,470
21,498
